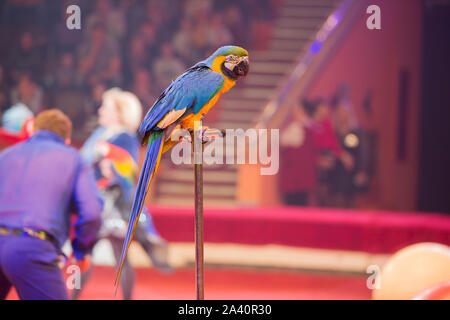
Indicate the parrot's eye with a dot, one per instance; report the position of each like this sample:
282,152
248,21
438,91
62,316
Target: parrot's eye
231,58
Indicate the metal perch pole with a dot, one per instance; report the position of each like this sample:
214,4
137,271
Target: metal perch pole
199,263
197,140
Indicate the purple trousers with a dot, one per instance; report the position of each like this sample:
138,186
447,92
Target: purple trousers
31,266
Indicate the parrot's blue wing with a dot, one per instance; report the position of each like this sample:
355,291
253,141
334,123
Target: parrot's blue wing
188,93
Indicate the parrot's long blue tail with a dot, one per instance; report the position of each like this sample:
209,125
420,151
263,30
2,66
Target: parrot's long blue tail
149,167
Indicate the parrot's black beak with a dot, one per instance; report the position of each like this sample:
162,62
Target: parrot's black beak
242,68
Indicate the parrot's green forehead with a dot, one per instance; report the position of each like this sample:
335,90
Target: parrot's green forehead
234,50
224,52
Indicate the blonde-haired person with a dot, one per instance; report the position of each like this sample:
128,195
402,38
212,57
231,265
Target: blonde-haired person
120,110
119,117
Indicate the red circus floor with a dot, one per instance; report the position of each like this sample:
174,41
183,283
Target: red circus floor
226,284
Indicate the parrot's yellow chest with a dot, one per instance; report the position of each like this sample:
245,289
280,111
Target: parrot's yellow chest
189,120
229,83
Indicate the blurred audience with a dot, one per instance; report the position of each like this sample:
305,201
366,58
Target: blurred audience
147,33
66,75
131,44
25,57
29,93
113,20
95,100
235,21
325,154
183,41
138,57
4,92
142,87
346,181
19,12
95,54
218,33
167,67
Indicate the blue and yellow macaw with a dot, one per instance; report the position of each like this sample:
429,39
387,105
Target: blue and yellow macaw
184,102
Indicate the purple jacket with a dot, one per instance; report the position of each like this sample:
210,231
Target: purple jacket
39,180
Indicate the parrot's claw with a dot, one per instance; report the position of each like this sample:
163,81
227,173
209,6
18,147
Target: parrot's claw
207,134
202,134
187,138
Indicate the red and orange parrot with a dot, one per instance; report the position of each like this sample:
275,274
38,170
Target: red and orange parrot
122,162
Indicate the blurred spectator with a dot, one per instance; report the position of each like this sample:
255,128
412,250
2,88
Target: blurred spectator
328,145
261,9
346,181
235,22
157,12
142,87
112,75
95,55
183,42
147,32
200,34
107,15
319,112
137,56
23,12
66,74
15,117
134,15
218,33
28,93
24,58
167,67
4,91
118,40
193,8
298,169
95,98
174,12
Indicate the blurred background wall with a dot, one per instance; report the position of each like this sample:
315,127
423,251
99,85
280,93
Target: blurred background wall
372,63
